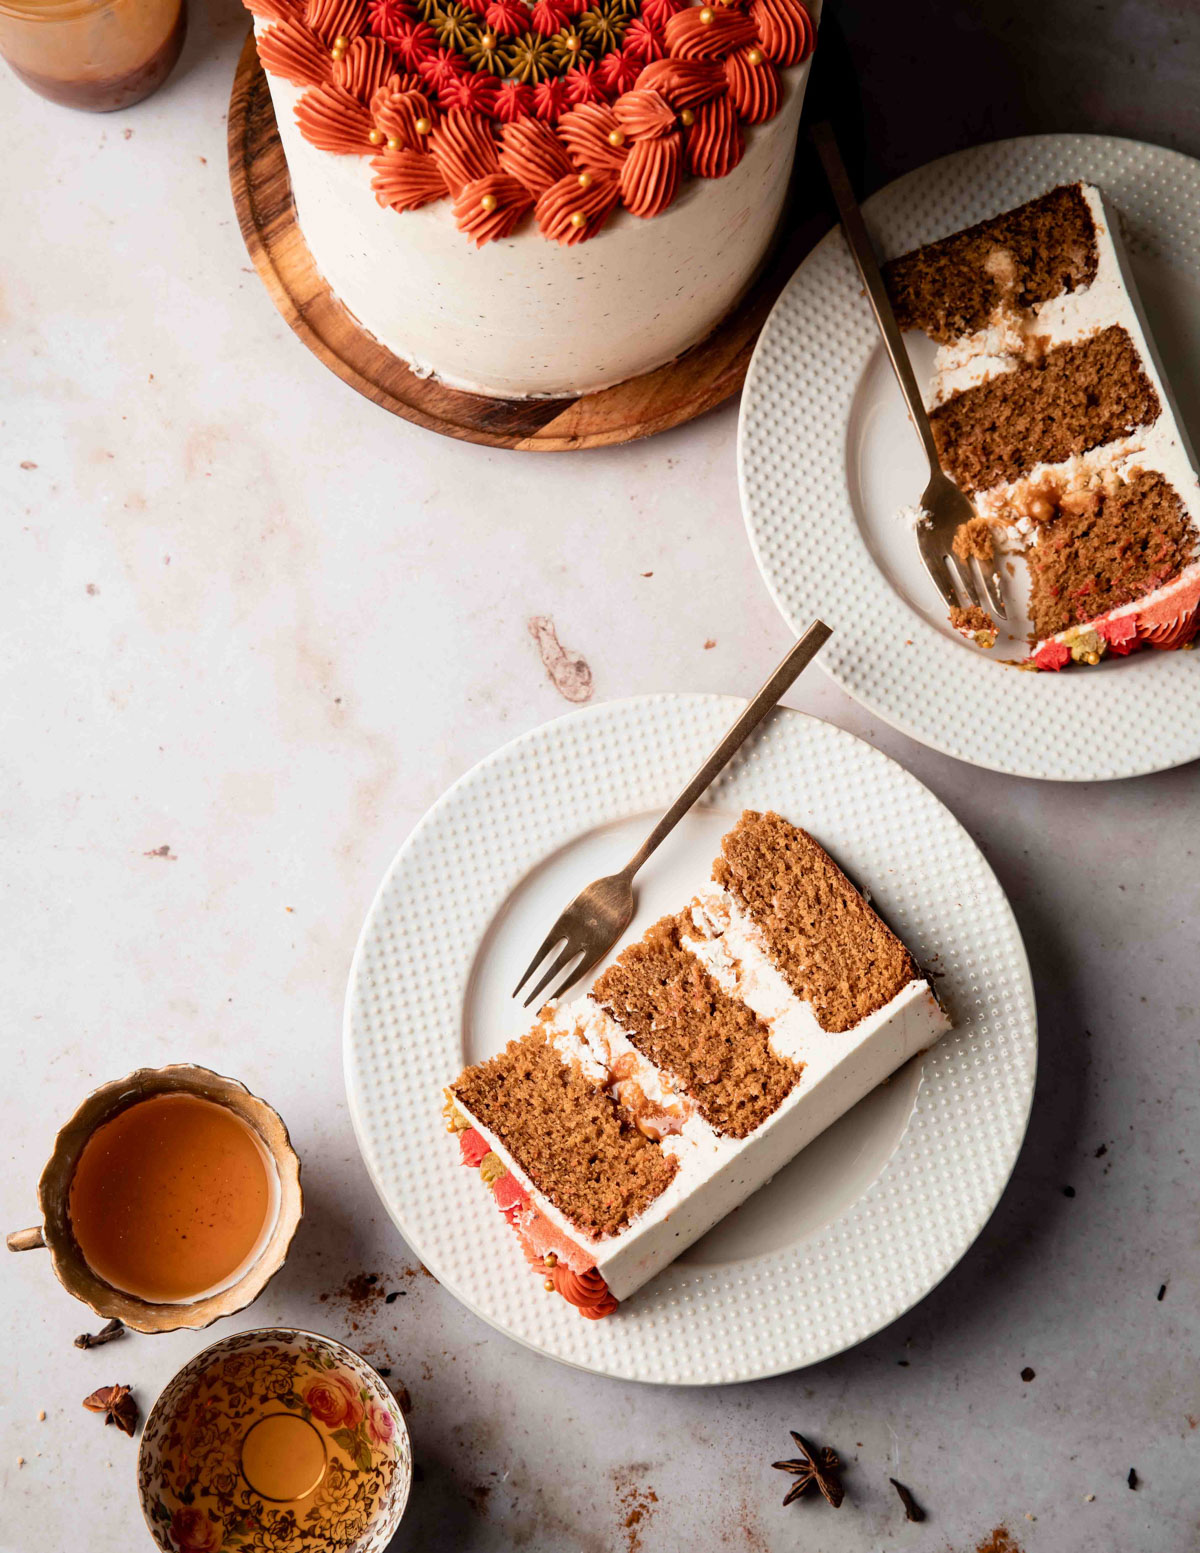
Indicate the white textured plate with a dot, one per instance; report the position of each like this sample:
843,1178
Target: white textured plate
869,1217
826,456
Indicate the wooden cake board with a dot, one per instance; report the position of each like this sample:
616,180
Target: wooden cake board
262,193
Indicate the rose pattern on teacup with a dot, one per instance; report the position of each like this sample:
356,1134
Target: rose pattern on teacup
195,1496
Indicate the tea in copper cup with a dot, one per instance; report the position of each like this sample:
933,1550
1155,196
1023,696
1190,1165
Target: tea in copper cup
170,1199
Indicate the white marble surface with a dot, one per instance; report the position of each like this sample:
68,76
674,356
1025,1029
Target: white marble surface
253,620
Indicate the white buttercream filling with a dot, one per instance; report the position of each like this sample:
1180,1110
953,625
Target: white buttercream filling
717,1173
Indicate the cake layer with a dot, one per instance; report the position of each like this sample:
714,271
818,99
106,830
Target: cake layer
693,1067
716,1048
1100,548
1075,397
1020,258
715,1174
834,951
565,1133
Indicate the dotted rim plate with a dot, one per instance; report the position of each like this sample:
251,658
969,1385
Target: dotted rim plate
762,1315
1127,718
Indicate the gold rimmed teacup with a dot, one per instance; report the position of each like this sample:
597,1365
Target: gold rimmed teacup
54,1188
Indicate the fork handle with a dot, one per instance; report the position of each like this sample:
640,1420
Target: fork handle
859,242
800,656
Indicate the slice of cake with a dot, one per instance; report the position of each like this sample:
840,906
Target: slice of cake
624,1125
1050,408
543,198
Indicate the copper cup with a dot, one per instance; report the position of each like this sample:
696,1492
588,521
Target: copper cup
55,1231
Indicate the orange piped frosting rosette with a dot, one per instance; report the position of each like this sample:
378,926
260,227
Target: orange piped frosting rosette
651,175
491,207
445,96
290,50
331,119
364,67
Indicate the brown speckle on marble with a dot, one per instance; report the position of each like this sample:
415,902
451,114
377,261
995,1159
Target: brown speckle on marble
164,852
92,590
28,463
566,670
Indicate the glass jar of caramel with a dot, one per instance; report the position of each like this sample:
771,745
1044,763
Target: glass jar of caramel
93,54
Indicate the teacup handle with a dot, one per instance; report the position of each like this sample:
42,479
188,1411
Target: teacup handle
25,1239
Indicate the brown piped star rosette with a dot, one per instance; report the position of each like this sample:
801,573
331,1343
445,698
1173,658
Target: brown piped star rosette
560,108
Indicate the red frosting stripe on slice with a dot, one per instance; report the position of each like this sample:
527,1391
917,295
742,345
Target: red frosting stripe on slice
651,175
570,212
364,67
1053,656
753,85
397,114
685,83
489,208
333,19
594,138
644,114
708,32
291,50
463,146
785,30
532,152
332,120
472,1145
715,142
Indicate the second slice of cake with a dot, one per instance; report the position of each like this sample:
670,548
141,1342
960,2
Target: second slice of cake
624,1125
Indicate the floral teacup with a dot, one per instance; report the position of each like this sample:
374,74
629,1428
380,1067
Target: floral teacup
275,1441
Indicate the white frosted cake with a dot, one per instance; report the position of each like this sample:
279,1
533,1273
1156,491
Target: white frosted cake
537,200
627,1123
1051,408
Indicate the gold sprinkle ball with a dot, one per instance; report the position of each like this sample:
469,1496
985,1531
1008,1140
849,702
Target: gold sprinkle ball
393,143
754,56
422,126
550,1259
375,136
585,180
616,137
687,118
706,17
488,40
488,203
549,1285
1091,657
578,218
573,43
341,41
338,51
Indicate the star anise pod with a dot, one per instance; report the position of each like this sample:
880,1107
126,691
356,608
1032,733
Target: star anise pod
117,1405
813,1469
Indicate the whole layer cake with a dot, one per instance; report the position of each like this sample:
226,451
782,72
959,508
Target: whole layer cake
1050,408
537,199
624,1125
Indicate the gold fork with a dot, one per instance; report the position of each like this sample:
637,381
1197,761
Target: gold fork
944,507
598,915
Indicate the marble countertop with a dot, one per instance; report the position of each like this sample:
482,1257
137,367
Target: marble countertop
253,626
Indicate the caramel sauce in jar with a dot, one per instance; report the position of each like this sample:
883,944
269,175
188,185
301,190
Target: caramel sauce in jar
97,55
